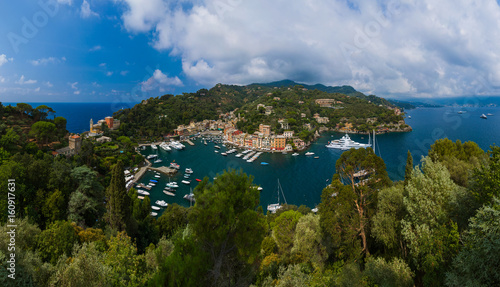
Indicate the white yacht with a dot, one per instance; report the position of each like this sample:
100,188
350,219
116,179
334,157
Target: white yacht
161,203
295,154
346,143
309,153
188,170
157,161
153,207
165,146
153,146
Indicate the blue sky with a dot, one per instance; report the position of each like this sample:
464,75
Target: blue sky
128,50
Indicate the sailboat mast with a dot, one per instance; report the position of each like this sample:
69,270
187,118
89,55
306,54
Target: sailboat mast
374,141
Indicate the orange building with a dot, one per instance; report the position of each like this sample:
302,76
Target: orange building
278,143
109,122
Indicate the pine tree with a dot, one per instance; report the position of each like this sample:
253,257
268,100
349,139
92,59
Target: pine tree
118,201
408,168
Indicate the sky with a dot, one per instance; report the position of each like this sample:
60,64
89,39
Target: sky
129,50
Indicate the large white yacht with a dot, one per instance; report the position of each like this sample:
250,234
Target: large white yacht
346,143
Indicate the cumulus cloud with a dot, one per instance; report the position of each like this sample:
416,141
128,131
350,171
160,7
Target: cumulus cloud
49,84
23,81
66,2
45,61
160,81
109,74
124,73
2,79
86,12
4,59
398,48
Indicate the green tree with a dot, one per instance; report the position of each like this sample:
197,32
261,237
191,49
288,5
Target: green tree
393,273
56,240
10,140
386,223
478,261
431,237
54,207
24,109
408,167
43,131
86,202
229,227
117,200
173,218
307,241
485,182
86,268
284,230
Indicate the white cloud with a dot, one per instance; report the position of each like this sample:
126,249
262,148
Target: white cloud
124,73
102,65
143,15
2,79
384,47
86,12
95,84
67,2
76,92
37,89
95,48
73,85
45,61
160,81
49,84
4,59
109,74
22,81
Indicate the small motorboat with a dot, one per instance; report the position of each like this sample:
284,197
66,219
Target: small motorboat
153,207
197,179
264,163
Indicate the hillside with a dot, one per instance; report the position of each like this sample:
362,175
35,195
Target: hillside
303,107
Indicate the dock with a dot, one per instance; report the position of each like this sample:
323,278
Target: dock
189,142
164,170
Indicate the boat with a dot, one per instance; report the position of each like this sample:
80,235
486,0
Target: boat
153,207
216,151
188,170
197,179
223,153
483,116
161,203
153,146
169,193
316,157
165,146
461,112
488,114
174,165
186,176
140,197
309,153
172,184
205,142
154,214
189,197
153,180
295,154
157,176
239,155
346,143
259,188
409,117
151,156
157,161
152,184
275,206
264,163
186,181
217,147
142,192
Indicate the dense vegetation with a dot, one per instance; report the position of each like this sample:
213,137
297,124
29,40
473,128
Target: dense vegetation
77,225
157,117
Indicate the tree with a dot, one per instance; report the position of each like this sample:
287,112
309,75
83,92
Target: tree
284,230
307,242
57,240
485,182
172,219
60,123
24,109
86,202
431,237
42,112
9,140
365,173
386,223
408,167
393,273
86,268
228,226
43,131
117,200
478,261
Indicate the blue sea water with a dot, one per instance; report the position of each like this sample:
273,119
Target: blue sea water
78,115
303,178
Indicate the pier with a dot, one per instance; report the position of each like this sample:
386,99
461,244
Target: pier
189,142
164,170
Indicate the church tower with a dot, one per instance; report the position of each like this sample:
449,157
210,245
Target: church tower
91,126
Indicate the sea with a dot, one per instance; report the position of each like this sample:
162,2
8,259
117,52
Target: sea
302,178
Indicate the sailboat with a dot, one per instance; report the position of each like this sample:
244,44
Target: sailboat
275,206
